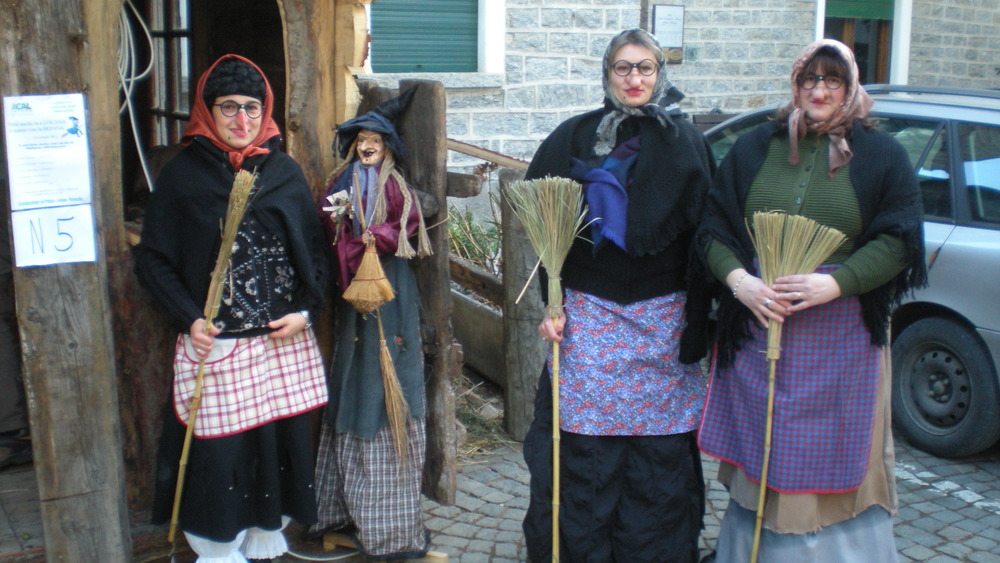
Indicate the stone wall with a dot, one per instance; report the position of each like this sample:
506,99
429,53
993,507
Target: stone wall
955,43
737,56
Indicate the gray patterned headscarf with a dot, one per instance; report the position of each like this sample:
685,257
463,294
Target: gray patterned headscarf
659,105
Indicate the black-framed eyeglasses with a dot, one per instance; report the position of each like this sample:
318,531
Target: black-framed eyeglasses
230,108
646,67
810,81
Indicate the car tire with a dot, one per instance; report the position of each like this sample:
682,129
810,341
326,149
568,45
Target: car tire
945,397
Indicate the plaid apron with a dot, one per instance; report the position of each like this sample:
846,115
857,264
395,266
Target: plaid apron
249,382
826,384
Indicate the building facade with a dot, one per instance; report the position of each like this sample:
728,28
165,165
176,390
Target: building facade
736,56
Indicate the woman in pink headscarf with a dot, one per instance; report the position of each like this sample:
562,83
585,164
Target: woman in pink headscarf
830,493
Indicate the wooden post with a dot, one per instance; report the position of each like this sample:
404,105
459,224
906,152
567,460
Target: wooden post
524,351
64,311
423,131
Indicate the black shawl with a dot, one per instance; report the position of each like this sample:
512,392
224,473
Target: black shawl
181,233
670,180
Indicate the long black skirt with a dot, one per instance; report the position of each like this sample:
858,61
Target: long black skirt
622,498
237,482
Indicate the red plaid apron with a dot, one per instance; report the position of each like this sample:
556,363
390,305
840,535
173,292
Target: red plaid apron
249,382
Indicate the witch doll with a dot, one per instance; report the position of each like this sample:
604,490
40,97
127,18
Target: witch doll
368,472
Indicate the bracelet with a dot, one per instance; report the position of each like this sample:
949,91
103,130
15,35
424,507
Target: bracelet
738,282
309,323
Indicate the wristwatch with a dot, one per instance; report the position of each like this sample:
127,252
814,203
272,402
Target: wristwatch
305,314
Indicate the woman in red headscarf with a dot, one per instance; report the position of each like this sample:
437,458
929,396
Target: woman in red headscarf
830,484
250,466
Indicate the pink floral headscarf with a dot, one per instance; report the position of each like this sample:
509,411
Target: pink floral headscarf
857,104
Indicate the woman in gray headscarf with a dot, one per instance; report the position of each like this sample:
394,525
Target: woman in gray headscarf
632,391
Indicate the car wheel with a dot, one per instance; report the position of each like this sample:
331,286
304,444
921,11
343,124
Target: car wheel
945,398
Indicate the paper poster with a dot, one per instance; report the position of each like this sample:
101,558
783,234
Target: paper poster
48,166
53,235
668,27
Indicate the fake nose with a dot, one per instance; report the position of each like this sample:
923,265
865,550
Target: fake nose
241,118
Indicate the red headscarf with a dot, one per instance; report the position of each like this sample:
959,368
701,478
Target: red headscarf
203,124
857,104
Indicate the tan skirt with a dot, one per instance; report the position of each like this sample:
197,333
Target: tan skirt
810,512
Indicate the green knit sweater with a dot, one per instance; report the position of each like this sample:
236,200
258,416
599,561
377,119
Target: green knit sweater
806,189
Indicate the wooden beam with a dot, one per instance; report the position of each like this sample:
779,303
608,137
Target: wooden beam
464,185
483,283
487,154
64,311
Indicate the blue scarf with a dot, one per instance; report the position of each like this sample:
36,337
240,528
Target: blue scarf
605,189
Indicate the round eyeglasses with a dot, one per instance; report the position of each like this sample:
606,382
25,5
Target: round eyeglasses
646,67
230,109
810,81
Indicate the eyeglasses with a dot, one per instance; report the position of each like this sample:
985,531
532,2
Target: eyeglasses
231,108
624,68
810,81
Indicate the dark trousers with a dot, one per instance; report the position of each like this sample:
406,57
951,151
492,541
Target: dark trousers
13,411
622,498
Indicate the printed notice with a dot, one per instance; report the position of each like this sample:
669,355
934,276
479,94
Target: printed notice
48,164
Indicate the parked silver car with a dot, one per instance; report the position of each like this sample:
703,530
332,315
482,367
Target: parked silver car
946,337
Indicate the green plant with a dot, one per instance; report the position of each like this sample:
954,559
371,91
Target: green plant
475,241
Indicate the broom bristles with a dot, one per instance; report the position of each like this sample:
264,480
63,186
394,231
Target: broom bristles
369,289
787,245
396,408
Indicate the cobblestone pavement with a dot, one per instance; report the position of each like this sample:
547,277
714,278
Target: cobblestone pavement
949,510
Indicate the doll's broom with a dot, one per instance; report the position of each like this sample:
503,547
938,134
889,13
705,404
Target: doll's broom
552,212
239,197
368,291
786,245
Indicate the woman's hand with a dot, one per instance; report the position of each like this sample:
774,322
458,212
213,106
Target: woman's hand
762,301
552,330
289,325
800,292
202,342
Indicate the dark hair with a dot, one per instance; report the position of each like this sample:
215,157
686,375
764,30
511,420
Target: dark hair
831,62
233,77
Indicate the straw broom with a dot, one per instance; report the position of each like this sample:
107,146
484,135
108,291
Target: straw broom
786,245
551,210
368,291
239,197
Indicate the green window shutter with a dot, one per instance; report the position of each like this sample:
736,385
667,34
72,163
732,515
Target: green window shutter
424,35
859,9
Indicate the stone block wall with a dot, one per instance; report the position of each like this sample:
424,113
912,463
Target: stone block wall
955,43
737,56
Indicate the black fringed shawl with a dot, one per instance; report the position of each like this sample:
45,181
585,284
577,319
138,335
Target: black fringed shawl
670,180
181,233
889,200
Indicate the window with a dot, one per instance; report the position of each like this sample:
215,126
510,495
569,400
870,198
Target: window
924,142
980,147
425,36
866,27
170,83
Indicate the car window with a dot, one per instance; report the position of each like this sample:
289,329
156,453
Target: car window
980,146
721,141
925,144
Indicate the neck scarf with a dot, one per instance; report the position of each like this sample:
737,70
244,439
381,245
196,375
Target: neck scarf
659,106
203,124
857,103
